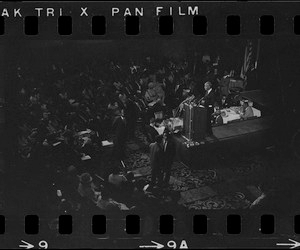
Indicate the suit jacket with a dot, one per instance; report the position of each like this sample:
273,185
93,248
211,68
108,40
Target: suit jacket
209,98
156,156
219,120
151,133
169,151
247,113
119,126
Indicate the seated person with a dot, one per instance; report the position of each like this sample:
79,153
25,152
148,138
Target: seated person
151,94
151,131
218,117
87,188
248,111
160,93
242,107
224,102
116,178
154,94
107,203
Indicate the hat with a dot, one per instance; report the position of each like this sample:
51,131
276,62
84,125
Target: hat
85,178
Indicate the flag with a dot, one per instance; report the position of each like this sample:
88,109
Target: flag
248,63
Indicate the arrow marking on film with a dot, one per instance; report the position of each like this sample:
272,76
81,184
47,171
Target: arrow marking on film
156,245
292,245
27,245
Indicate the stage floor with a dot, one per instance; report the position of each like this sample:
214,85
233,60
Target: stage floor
230,138
240,128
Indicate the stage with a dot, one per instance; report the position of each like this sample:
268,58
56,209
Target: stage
227,140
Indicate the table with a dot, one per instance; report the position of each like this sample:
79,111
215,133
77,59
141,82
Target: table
232,114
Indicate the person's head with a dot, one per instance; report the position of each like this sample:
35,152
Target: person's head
152,120
44,107
45,115
218,112
168,127
216,105
122,97
85,179
151,85
207,86
223,99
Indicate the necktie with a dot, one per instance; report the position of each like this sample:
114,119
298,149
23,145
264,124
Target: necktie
165,146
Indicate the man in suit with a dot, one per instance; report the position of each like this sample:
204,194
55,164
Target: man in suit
224,102
130,113
151,132
248,111
208,101
120,128
169,152
209,97
156,161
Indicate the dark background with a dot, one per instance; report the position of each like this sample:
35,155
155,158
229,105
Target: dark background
278,69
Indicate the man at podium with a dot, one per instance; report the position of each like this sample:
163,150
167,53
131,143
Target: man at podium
208,101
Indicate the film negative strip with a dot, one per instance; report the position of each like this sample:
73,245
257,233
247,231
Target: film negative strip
149,125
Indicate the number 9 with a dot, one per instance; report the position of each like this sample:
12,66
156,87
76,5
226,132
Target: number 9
171,244
43,244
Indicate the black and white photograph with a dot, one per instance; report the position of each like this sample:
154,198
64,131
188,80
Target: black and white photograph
190,130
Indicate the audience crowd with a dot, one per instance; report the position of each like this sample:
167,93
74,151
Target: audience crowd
65,113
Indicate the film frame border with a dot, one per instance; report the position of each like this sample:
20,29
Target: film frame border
278,32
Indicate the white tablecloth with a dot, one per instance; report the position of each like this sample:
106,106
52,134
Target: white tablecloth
231,114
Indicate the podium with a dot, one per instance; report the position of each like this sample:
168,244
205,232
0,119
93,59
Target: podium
194,122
